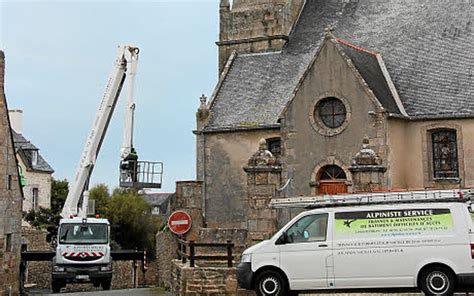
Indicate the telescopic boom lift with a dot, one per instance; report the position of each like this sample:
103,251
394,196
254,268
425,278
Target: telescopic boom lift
83,246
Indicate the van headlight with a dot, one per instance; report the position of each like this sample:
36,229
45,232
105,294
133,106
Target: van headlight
108,267
246,258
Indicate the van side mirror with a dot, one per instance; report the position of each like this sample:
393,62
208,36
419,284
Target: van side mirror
283,239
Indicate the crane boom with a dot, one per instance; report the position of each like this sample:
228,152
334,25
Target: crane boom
127,57
127,143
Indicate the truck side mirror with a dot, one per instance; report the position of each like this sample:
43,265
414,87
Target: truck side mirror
283,239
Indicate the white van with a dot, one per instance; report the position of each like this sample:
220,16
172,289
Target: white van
428,245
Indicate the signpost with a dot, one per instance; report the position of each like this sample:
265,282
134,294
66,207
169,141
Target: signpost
179,222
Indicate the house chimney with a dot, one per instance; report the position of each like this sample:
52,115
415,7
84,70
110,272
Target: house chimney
16,120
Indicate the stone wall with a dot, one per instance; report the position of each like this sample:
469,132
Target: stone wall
239,237
255,26
11,197
35,240
225,182
39,180
189,199
205,280
166,246
263,180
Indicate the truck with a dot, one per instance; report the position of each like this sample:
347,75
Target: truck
83,252
413,240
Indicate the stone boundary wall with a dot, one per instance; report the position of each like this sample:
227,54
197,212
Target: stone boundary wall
166,246
38,273
205,280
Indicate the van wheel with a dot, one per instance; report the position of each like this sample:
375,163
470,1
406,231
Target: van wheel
106,284
271,283
437,281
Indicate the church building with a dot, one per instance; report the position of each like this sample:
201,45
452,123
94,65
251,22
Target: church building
348,96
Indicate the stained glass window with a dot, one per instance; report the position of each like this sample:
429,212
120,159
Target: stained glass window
332,112
445,154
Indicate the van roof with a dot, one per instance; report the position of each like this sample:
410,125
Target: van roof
373,198
397,206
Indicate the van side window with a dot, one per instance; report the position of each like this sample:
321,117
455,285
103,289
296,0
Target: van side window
311,228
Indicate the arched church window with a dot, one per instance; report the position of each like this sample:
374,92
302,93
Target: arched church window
445,154
332,172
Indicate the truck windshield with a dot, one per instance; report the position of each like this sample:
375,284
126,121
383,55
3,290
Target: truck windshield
83,234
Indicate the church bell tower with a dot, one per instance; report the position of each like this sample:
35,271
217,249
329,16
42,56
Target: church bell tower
253,26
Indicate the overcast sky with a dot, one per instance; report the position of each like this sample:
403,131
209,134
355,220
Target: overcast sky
58,58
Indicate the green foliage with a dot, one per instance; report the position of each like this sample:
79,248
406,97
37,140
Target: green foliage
133,226
100,193
59,191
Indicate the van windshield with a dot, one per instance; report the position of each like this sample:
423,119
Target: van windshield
309,228
83,234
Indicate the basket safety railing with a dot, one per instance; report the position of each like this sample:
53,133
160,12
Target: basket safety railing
141,174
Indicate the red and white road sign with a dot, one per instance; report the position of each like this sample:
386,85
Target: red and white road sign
179,222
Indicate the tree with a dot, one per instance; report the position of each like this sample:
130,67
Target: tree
133,226
100,193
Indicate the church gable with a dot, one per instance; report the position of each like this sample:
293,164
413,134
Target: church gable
331,112
341,69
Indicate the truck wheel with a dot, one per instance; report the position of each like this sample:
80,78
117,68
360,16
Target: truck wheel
271,283
106,284
56,286
437,281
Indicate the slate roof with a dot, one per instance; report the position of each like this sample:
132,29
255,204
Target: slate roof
26,149
368,66
157,199
426,45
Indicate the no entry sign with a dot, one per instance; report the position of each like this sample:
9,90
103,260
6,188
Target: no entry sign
179,222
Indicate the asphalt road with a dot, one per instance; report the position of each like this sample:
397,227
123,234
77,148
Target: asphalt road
133,292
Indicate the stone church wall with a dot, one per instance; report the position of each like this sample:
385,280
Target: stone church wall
226,154
411,156
306,146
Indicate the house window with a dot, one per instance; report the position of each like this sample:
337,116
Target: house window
34,158
331,111
35,193
156,210
274,146
445,154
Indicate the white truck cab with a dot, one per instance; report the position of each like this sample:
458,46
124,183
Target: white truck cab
82,253
427,245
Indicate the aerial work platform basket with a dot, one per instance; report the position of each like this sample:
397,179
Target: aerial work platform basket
324,201
141,174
